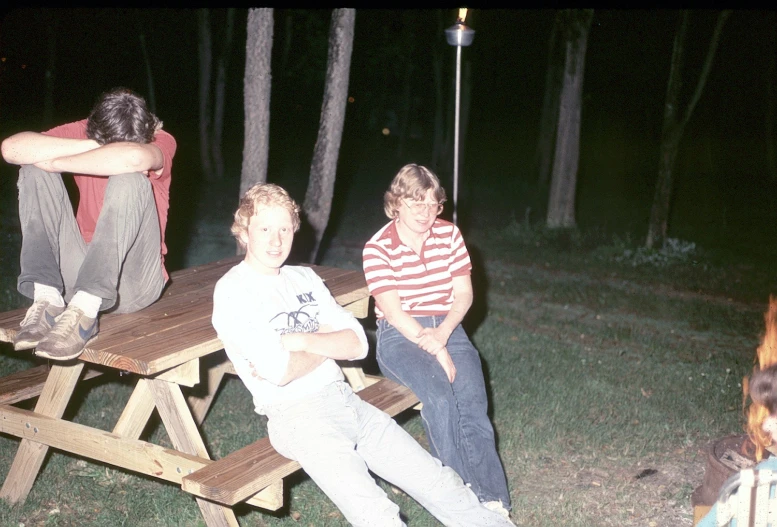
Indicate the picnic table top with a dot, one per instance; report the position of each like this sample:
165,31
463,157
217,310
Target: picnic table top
177,328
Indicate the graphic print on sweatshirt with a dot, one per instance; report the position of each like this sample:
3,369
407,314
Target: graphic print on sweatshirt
302,320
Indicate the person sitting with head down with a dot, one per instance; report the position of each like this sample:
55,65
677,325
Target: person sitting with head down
283,331
109,255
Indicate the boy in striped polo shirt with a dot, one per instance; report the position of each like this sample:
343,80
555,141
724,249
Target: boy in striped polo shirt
418,269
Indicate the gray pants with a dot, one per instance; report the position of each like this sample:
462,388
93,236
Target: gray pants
338,438
122,263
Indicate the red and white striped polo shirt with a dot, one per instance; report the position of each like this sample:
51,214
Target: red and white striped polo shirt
424,282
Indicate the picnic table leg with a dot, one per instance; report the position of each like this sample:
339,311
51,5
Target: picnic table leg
202,396
136,414
52,402
185,436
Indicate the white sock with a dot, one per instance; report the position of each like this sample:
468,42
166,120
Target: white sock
87,302
48,294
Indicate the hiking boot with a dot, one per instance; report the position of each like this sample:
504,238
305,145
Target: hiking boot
36,324
69,336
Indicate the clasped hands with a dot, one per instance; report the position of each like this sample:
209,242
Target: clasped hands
434,341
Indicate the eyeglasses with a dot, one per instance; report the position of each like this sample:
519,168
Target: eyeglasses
417,207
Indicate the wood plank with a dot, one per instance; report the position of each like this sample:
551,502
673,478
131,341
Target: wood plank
241,473
130,454
185,436
28,384
244,472
201,397
29,457
136,413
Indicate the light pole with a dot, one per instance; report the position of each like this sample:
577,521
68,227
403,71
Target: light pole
458,35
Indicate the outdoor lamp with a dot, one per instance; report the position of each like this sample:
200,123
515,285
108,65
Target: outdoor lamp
458,35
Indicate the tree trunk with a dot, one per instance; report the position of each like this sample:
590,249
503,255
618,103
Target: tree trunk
287,39
438,145
205,55
323,168
217,124
439,114
561,204
256,95
771,158
673,127
149,75
550,105
51,67
404,117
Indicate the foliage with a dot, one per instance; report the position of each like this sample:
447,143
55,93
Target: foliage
673,251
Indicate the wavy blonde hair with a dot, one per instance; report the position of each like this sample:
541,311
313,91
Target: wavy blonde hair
411,182
262,194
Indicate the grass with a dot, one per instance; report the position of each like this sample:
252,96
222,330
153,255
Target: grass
601,365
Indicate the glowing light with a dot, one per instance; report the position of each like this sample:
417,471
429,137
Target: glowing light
463,14
386,131
766,354
351,99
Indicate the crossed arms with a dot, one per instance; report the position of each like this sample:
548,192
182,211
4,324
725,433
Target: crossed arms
309,350
82,156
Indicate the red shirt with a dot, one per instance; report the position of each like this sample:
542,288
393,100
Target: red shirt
92,188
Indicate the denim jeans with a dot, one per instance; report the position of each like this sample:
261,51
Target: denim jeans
122,263
455,416
338,438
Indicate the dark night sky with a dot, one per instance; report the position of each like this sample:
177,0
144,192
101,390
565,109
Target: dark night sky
722,164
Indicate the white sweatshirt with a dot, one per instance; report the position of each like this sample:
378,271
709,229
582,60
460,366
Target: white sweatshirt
250,313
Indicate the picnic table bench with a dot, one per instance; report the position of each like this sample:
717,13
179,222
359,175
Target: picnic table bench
168,345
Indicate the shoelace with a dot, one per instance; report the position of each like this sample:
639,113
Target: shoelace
68,320
33,316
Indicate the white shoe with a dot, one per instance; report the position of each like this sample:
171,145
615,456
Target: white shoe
497,506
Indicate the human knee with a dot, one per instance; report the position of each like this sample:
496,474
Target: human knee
30,175
127,186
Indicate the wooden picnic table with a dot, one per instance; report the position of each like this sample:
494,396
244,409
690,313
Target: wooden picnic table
167,346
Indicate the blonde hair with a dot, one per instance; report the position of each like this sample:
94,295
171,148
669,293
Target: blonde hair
262,194
411,182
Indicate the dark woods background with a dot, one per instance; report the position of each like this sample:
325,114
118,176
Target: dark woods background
725,184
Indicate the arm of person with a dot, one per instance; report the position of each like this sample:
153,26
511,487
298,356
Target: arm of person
390,304
413,331
29,148
109,160
339,345
82,156
462,301
300,363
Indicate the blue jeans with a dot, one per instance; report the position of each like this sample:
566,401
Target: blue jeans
338,439
122,264
455,416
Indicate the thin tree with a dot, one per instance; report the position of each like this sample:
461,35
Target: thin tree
561,203
212,96
51,67
554,74
771,51
256,97
320,192
674,125
151,95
